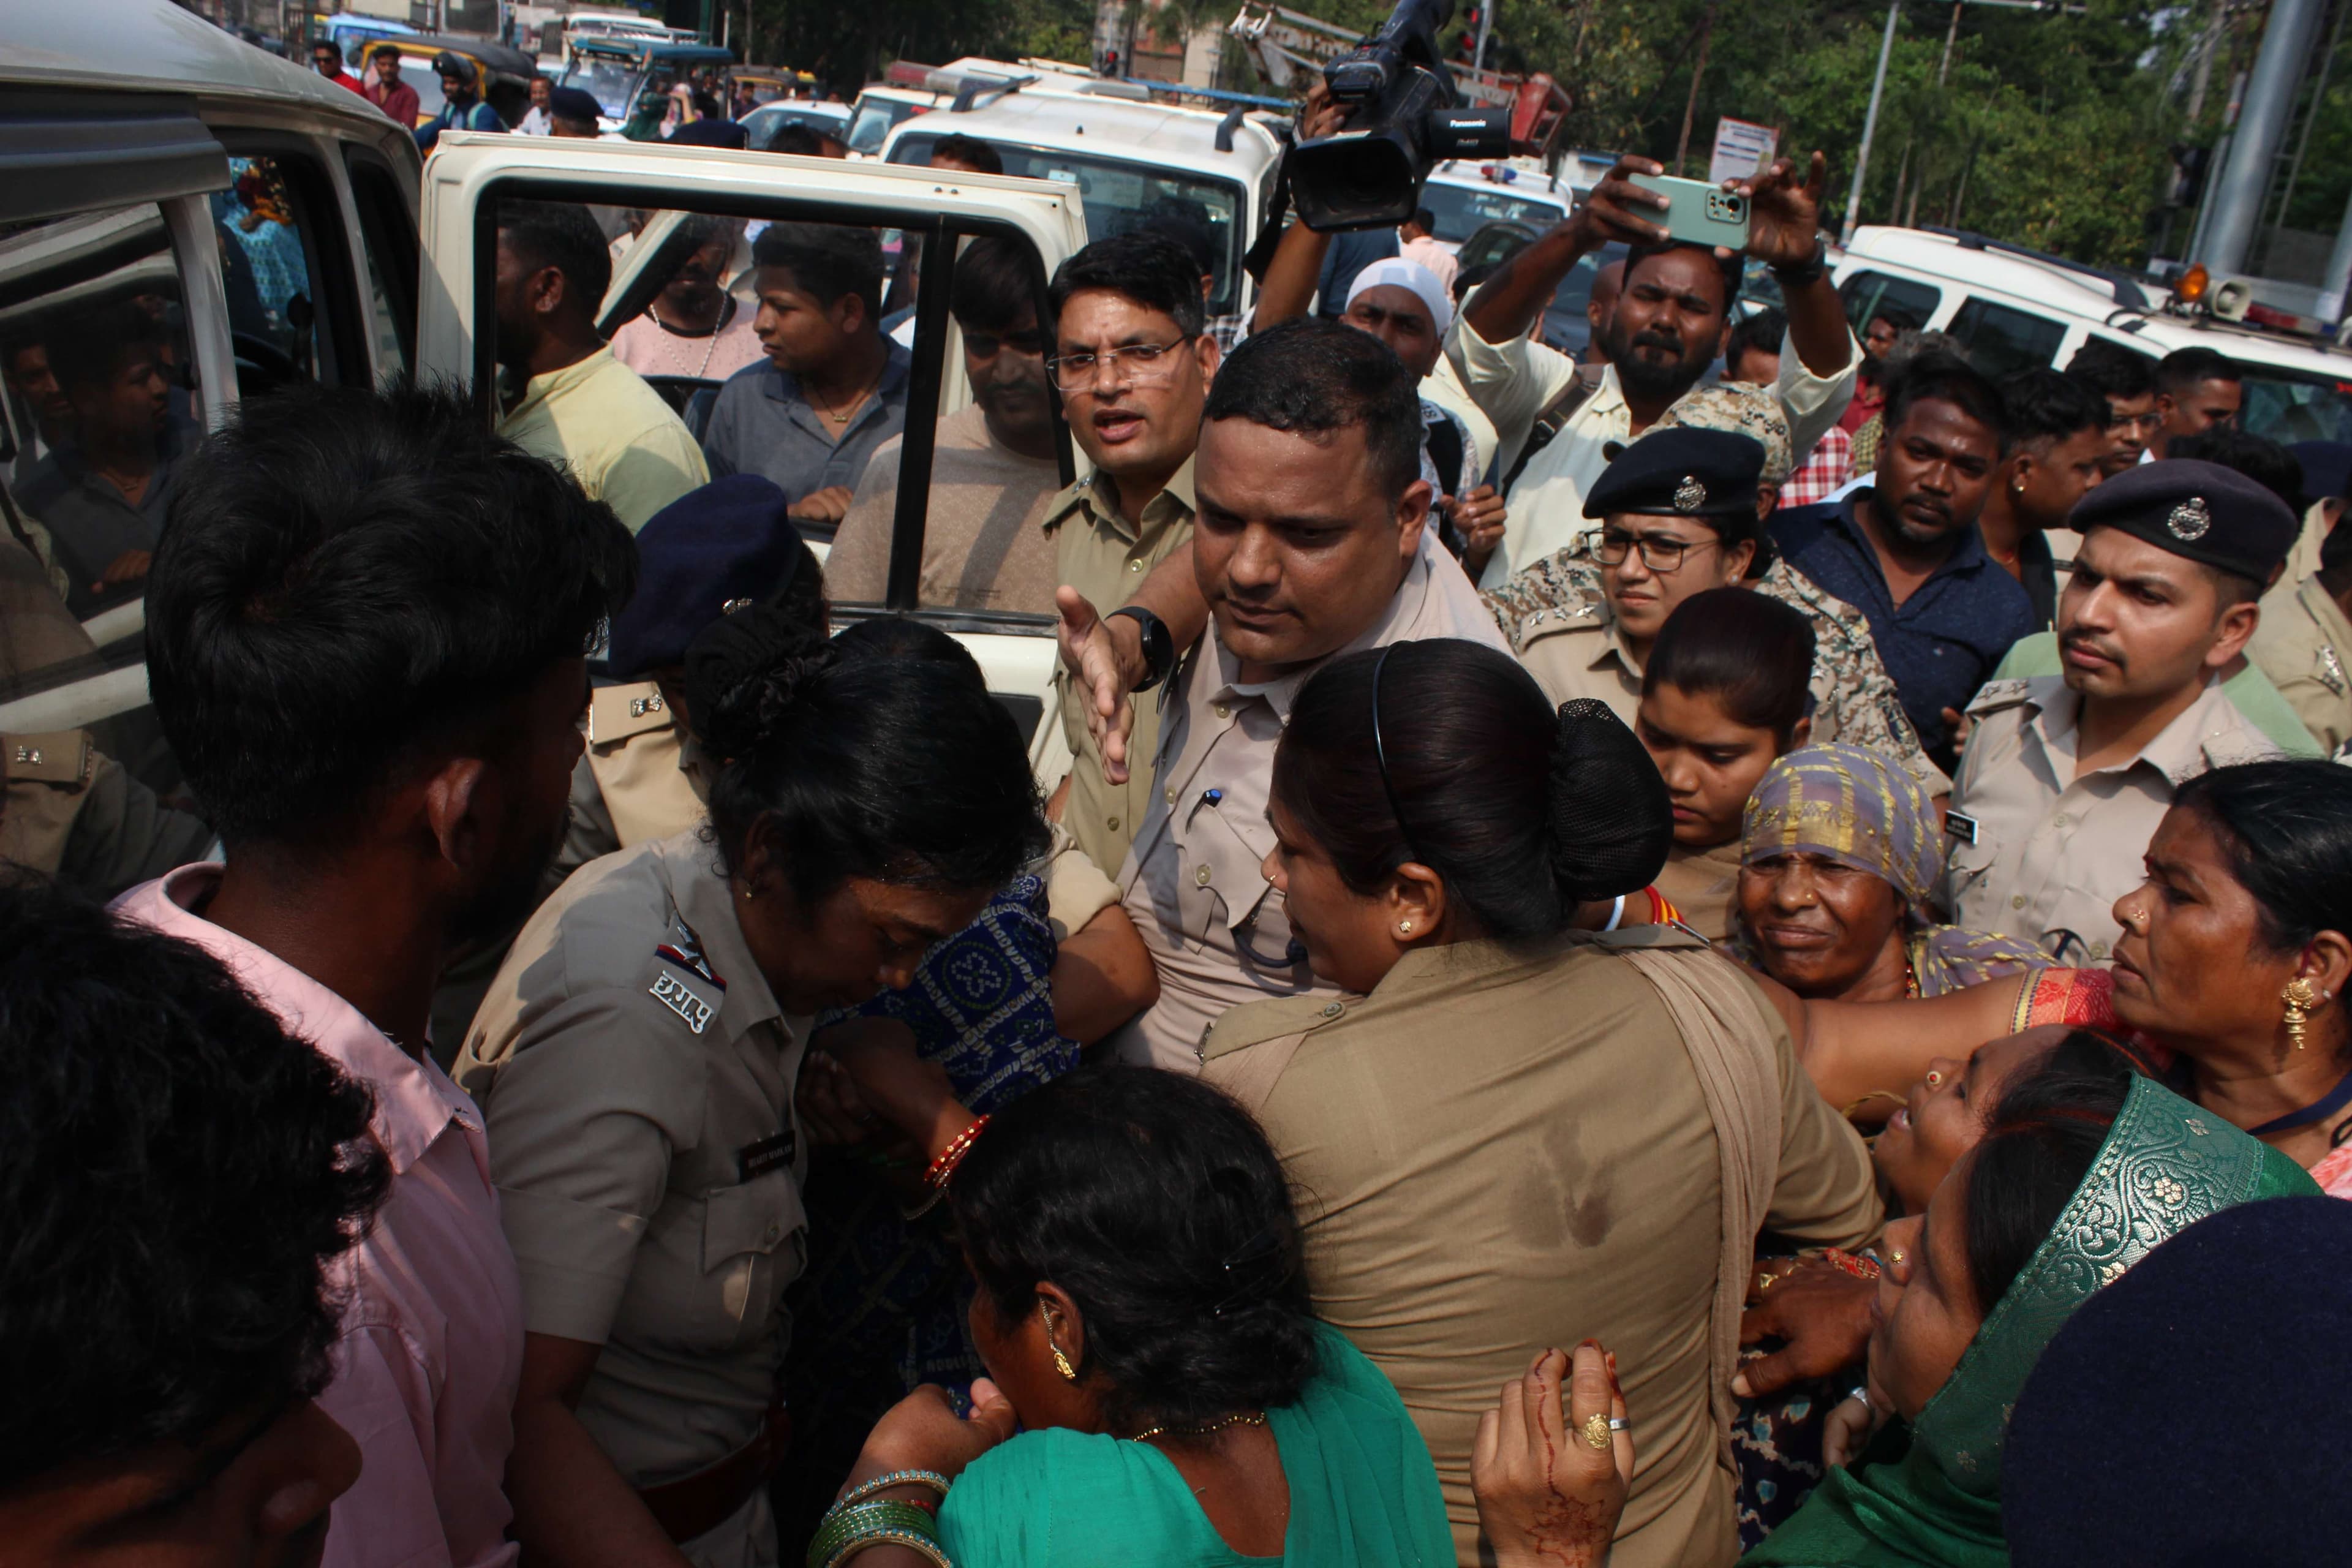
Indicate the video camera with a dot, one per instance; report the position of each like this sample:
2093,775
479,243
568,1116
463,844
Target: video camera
1405,117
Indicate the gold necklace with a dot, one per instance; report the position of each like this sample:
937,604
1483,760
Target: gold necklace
1243,1418
841,417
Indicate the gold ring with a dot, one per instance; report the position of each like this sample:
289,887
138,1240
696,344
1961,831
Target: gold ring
1596,1431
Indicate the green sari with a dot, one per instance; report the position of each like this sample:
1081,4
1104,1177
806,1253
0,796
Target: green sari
1930,1495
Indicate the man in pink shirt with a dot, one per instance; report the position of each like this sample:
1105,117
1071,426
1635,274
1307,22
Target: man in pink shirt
367,622
177,1181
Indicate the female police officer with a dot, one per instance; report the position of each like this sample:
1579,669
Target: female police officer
637,1075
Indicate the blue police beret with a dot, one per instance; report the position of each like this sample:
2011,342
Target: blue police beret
2193,507
731,541
2192,1412
574,103
710,133
2326,468
1682,472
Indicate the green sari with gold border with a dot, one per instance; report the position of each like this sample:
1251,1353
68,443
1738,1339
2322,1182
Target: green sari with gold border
1928,1496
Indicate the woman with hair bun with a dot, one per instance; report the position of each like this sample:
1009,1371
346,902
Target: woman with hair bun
636,1070
1517,1134
1142,1308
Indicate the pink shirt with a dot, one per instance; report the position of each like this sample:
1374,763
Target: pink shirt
426,1371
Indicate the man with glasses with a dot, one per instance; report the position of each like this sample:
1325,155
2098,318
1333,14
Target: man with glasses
2127,382
1133,366
992,468
328,60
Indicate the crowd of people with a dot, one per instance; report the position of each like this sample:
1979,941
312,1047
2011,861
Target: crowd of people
1572,1005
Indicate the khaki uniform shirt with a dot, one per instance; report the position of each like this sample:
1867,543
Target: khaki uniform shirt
1195,884
641,778
2039,854
74,814
1510,1149
1099,553
2305,646
637,1075
1704,885
1559,602
1514,381
599,419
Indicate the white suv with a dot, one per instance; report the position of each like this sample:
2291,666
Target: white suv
2016,309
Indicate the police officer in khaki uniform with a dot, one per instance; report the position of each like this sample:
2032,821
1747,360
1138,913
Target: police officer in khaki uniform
2304,643
74,814
644,776
2065,777
636,1073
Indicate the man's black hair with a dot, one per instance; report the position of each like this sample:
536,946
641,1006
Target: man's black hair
564,235
1425,220
2048,405
1187,226
993,284
795,139
100,343
1732,269
2181,369
970,150
826,260
1936,377
2113,371
347,577
1313,378
1760,332
2258,457
176,1175
1152,269
1894,316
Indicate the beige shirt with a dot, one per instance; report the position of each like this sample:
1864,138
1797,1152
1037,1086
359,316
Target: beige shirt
1099,553
2049,853
985,546
636,1075
1704,885
2305,646
1194,883
599,419
1505,1150
1514,381
642,777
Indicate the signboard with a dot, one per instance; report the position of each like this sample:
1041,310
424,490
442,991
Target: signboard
1741,149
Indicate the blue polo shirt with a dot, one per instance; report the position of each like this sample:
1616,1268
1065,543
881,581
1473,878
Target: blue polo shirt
1940,644
762,424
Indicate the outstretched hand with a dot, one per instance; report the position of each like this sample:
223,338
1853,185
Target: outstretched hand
1096,662
1784,214
1621,212
1547,1496
1820,1312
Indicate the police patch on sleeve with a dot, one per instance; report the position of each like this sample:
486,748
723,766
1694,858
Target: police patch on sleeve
678,996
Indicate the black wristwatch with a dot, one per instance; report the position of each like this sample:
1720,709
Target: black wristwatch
1807,273
1159,645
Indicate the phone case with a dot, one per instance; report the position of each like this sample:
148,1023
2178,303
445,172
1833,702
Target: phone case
1702,213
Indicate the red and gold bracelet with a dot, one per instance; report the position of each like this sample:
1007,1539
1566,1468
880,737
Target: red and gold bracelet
952,1156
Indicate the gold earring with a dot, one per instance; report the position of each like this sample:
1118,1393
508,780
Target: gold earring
1061,1363
1405,927
2300,997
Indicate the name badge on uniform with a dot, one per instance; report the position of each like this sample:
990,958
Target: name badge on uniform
755,1160
1960,825
673,993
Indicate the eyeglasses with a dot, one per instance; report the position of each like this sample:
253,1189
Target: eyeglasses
1659,553
1147,364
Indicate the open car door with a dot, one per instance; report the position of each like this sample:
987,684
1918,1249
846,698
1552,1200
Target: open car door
922,220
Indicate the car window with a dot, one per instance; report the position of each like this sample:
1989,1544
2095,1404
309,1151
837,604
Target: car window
1120,196
611,82
726,316
388,255
2001,341
99,413
875,119
1462,210
280,239
1868,294
2288,405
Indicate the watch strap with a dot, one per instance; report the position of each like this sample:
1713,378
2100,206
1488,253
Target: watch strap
1158,643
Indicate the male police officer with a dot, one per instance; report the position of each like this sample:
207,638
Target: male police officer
2065,777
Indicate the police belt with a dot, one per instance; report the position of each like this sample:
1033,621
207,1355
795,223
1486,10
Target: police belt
708,1499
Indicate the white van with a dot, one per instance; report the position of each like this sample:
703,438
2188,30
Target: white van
2016,309
265,222
1463,197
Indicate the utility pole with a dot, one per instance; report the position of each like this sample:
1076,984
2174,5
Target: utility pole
2245,184
1486,27
1870,125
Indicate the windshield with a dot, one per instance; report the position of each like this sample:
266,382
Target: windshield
877,118
612,83
1460,210
1119,197
2290,405
418,74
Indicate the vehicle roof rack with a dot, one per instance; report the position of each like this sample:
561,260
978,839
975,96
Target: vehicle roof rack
2122,287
